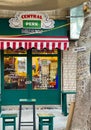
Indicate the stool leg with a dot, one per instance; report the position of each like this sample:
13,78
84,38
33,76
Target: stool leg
3,124
34,121
19,117
51,124
40,124
14,124
40,127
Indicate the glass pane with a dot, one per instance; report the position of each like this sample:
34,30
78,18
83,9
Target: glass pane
76,21
16,51
44,51
44,73
15,72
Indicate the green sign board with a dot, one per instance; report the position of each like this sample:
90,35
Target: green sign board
59,30
32,24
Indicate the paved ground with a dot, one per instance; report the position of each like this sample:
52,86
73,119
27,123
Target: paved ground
59,120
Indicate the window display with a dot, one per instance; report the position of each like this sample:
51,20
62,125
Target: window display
44,72
44,68
14,72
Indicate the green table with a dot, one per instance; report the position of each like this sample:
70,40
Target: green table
64,101
0,103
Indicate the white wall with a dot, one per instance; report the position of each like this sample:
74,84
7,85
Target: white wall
69,69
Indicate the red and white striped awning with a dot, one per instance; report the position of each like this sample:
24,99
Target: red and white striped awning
39,43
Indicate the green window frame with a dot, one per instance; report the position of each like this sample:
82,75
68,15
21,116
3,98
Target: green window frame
13,79
43,55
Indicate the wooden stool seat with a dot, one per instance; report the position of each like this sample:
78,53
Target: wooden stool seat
46,120
9,120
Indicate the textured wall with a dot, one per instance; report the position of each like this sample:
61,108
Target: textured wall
69,69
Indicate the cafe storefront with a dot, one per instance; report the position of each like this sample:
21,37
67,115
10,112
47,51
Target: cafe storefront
31,66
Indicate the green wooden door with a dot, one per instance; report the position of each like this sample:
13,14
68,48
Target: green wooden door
46,77
46,82
14,74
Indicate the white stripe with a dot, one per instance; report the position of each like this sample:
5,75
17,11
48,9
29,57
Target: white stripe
56,44
5,45
11,45
32,43
62,46
50,45
67,44
17,45
38,45
44,44
23,44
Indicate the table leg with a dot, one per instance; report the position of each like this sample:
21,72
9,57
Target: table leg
34,121
19,117
51,122
64,104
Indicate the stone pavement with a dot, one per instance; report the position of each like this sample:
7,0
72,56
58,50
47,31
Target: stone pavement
59,119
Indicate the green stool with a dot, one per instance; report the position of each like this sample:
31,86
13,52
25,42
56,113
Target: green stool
27,123
45,120
9,120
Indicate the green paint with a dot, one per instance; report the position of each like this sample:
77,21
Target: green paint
11,97
32,24
59,30
43,97
64,101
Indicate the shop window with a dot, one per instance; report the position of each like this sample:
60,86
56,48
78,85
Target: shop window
44,72
15,72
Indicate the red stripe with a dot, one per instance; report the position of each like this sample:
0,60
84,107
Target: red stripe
59,45
25,45
28,44
65,46
47,45
20,44
41,45
29,47
8,44
14,45
53,46
40,37
35,45
2,45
